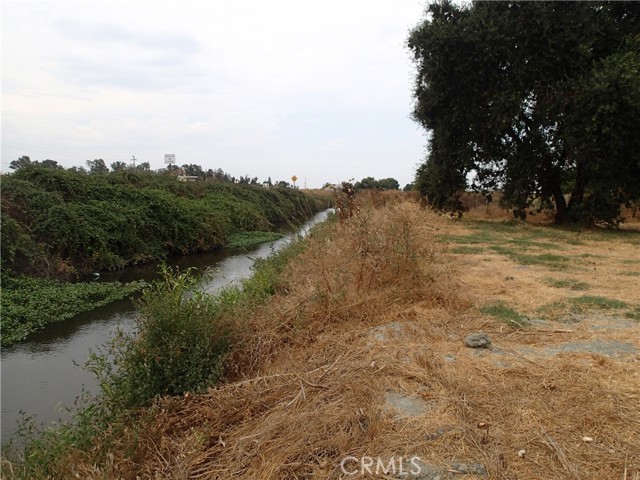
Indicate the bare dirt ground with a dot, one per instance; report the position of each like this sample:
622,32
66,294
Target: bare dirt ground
358,367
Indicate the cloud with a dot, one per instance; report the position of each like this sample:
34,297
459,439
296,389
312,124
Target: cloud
107,55
316,88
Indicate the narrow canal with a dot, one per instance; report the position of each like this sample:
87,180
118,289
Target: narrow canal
43,375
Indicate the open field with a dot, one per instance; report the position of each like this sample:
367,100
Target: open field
361,353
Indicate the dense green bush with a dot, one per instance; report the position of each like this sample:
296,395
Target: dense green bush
102,222
179,345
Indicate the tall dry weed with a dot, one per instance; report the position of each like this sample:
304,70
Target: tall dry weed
355,272
306,388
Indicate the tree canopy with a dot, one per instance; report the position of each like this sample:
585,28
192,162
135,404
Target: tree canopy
536,99
372,183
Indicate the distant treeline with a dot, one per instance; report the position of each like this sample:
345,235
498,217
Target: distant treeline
99,166
60,223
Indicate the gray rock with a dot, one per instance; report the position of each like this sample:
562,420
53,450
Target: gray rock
609,348
439,432
477,340
469,468
384,333
422,471
406,406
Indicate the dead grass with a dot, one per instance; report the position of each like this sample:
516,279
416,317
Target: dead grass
309,382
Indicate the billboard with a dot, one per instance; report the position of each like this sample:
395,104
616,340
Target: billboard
169,158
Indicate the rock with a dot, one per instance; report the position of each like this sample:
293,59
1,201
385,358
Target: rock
385,333
469,468
477,340
439,432
406,406
423,471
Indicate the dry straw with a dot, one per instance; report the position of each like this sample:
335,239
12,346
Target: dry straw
371,308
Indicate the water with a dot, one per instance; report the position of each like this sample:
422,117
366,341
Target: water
41,376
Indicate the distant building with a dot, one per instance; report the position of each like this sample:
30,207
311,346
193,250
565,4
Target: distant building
187,178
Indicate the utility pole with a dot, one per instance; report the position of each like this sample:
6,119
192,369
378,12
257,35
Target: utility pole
133,159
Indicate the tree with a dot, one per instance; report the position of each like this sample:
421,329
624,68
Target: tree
382,184
119,166
20,163
366,183
193,170
97,166
144,167
49,164
537,99
388,184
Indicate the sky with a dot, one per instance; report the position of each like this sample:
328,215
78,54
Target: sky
316,89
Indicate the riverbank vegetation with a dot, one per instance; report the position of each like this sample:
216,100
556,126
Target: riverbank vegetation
61,224
183,344
245,240
352,343
29,303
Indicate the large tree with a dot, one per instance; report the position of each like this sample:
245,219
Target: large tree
536,99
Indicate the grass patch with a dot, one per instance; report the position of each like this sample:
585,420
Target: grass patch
552,261
580,305
633,314
505,313
246,240
631,262
569,283
595,302
470,250
471,239
631,274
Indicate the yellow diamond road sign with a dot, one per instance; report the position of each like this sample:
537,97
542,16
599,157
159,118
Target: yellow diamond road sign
294,178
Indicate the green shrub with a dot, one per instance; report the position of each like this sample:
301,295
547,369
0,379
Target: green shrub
107,221
180,346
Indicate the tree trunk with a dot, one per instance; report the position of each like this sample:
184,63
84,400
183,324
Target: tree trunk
577,194
562,214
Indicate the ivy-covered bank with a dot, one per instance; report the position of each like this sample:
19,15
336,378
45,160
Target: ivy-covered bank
59,224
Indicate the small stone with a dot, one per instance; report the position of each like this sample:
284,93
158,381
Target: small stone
477,340
522,453
469,468
587,439
407,406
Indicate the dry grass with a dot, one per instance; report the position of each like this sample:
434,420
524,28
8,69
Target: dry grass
311,376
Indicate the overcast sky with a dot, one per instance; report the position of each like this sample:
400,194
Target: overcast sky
319,89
